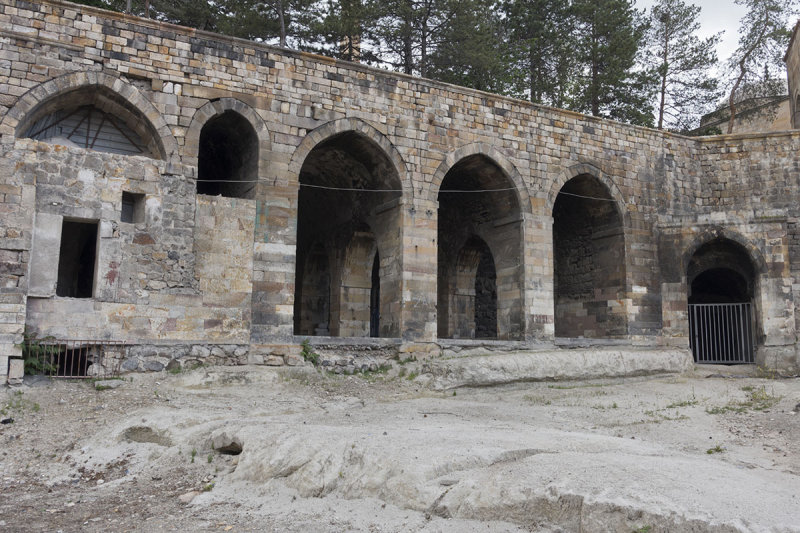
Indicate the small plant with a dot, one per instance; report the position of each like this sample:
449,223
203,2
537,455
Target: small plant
309,355
758,399
411,359
454,393
210,458
685,403
208,488
194,453
412,376
643,529
614,405
36,355
715,449
175,370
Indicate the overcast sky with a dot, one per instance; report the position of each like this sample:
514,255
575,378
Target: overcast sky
715,16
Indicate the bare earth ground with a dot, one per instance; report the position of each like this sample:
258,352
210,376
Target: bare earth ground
704,451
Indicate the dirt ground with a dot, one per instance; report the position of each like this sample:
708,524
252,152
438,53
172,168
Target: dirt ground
705,451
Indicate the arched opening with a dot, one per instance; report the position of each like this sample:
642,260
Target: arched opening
589,262
349,199
722,285
313,296
93,118
479,256
227,162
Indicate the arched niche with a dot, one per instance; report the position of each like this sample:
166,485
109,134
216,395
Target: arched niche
589,261
479,252
228,156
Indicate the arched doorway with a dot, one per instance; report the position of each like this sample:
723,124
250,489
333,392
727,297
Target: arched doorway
721,280
348,199
227,161
479,257
589,262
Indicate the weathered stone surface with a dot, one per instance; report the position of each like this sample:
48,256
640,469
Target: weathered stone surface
594,363
272,258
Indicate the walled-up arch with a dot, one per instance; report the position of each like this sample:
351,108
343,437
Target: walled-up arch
229,143
349,198
92,110
480,268
589,259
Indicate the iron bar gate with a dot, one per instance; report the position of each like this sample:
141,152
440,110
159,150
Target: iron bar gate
73,358
722,333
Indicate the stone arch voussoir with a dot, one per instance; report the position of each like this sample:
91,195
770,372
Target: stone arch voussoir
214,109
45,92
580,169
710,234
491,153
344,125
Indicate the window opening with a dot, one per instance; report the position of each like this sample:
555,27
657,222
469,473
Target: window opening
132,208
76,259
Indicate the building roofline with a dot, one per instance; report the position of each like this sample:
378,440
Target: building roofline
359,67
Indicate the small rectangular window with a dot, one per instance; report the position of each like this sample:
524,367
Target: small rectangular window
132,208
76,259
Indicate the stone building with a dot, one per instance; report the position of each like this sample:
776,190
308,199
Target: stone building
200,197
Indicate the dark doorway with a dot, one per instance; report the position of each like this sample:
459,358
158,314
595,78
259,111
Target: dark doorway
76,259
721,281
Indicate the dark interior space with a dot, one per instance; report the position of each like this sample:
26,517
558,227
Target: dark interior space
479,235
348,201
228,157
76,260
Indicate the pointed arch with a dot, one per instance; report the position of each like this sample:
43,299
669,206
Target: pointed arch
121,97
358,127
710,234
217,108
580,169
492,155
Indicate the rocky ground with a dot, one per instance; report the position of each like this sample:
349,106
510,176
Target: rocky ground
261,449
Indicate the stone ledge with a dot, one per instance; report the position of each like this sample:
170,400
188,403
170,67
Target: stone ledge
555,365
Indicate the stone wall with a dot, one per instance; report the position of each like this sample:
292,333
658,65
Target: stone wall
201,270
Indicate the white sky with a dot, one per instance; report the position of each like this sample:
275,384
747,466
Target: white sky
715,16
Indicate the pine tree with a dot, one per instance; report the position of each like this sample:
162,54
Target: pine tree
408,31
541,49
268,20
340,30
681,62
763,38
471,51
609,35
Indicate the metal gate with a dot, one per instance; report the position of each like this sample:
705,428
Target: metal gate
721,333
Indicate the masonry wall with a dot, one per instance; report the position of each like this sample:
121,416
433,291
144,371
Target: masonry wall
170,282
